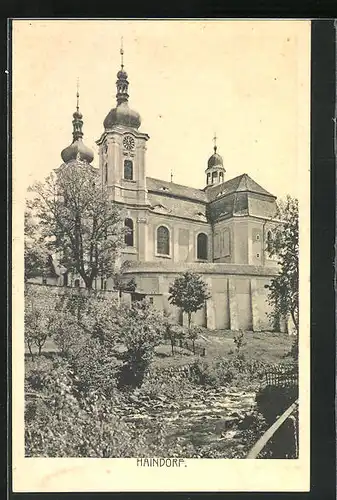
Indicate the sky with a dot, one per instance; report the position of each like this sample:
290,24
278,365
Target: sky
246,81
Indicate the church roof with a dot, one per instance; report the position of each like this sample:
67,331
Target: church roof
241,183
175,190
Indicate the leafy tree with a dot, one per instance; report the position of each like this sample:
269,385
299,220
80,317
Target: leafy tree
172,331
39,318
283,289
239,341
193,335
78,221
140,331
120,283
189,292
35,252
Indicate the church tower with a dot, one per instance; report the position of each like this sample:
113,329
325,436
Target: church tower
77,149
215,170
122,148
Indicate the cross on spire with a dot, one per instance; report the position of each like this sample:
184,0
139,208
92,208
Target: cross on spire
122,53
78,95
214,140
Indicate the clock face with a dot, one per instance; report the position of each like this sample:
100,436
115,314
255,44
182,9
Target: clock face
128,142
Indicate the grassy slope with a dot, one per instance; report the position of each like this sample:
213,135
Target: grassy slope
262,346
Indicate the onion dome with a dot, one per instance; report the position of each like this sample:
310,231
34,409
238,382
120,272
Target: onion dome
122,114
215,160
77,149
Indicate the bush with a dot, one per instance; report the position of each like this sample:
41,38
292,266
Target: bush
239,341
235,369
166,384
96,368
140,331
62,421
39,318
216,373
172,331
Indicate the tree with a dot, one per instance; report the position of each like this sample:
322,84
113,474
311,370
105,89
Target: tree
120,283
140,330
283,289
189,292
39,318
193,335
35,252
172,331
78,221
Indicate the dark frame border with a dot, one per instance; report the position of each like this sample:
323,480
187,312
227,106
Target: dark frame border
323,225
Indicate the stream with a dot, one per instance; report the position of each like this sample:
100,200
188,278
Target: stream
207,418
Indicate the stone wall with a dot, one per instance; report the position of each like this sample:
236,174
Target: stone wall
238,294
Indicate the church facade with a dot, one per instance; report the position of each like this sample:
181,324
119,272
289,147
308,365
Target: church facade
222,231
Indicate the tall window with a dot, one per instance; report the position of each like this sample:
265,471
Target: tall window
128,170
221,177
106,173
128,238
214,176
202,242
163,240
269,242
208,178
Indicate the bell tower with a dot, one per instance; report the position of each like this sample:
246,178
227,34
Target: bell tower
122,148
215,171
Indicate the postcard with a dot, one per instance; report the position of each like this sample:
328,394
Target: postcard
161,255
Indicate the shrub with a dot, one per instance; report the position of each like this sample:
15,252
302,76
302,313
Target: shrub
239,341
68,334
39,318
235,369
216,373
96,368
63,422
140,331
172,331
166,384
193,334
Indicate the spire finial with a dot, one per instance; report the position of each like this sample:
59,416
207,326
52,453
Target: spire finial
122,53
78,95
214,140
171,176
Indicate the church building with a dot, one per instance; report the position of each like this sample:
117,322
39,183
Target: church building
222,231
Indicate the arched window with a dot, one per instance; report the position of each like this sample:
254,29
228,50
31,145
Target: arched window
128,238
202,243
214,176
163,240
269,242
221,177
128,170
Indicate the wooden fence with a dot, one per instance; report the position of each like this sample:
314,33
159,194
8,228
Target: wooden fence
196,349
282,377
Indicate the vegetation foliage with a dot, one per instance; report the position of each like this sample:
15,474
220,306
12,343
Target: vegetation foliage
76,220
102,394
283,290
189,292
